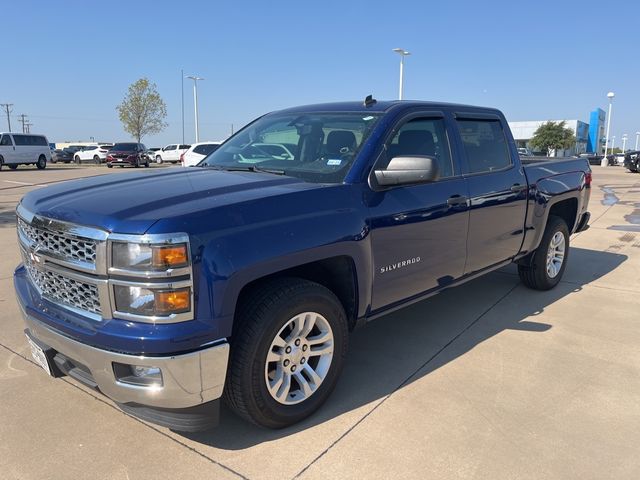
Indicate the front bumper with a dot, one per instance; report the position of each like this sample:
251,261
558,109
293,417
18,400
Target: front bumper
188,380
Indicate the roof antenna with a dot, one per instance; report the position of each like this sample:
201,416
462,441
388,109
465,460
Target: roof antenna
370,101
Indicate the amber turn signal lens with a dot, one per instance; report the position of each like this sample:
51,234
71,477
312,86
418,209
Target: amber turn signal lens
173,256
173,301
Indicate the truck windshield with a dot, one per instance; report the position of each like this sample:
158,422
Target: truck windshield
124,147
316,147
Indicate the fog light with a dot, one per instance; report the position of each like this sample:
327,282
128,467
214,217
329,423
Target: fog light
138,375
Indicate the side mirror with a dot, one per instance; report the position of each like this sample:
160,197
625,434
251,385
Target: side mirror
408,170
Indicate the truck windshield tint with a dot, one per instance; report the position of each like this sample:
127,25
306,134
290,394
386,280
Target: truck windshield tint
316,147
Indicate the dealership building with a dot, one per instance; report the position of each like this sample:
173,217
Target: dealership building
589,136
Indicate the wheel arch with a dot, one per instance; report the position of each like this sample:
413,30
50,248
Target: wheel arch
337,274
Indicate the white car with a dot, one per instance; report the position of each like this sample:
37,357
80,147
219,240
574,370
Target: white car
92,153
171,153
24,148
197,152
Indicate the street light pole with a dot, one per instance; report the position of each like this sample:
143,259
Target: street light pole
637,136
195,101
403,53
604,162
624,142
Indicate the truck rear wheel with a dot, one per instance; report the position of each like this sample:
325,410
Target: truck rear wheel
287,353
548,262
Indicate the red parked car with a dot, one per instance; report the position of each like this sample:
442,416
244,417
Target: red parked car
127,154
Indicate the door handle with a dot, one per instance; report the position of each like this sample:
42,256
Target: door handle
455,200
517,188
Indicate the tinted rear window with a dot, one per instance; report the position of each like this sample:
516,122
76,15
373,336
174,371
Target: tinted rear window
185,147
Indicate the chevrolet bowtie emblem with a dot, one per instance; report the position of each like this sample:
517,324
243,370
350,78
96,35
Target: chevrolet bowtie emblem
33,254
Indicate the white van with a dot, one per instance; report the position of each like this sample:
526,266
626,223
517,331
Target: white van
24,148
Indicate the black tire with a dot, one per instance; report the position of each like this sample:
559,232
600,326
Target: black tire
96,160
146,164
41,164
136,163
266,310
109,165
13,166
534,275
77,160
1,162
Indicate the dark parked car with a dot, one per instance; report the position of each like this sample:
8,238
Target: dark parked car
61,155
131,154
632,161
594,158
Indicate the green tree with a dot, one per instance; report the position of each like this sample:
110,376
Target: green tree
552,136
142,112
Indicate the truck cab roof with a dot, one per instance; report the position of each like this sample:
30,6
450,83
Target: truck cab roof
384,106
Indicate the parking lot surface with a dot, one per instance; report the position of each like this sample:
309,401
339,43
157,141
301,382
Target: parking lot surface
488,380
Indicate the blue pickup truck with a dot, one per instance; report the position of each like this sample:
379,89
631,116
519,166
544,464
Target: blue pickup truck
242,278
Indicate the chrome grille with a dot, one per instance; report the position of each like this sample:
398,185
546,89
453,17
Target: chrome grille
65,290
66,246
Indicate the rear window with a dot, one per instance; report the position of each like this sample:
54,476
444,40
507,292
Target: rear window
205,149
185,147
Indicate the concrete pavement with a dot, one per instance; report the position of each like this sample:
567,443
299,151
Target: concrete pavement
487,380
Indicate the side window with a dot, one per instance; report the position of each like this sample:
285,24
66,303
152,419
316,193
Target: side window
19,139
170,147
185,147
5,141
42,141
423,136
485,145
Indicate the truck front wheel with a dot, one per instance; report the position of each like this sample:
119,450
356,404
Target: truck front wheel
287,352
548,262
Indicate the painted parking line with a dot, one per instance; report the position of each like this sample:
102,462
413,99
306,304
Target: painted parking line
18,183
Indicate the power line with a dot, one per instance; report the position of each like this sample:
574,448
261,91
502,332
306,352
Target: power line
8,109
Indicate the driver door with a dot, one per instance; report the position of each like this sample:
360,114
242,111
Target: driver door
419,232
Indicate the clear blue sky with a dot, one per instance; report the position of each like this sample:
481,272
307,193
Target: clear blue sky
68,64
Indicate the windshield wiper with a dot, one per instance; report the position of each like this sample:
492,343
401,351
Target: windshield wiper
253,168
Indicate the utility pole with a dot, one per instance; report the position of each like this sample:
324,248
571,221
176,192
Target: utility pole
28,126
23,120
182,93
8,109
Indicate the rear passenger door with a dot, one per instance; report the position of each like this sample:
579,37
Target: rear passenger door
418,232
497,191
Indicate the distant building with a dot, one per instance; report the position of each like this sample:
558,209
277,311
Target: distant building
523,133
589,136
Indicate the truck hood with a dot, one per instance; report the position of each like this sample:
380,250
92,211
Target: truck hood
133,202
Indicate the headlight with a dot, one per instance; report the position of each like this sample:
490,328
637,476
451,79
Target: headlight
146,257
152,302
